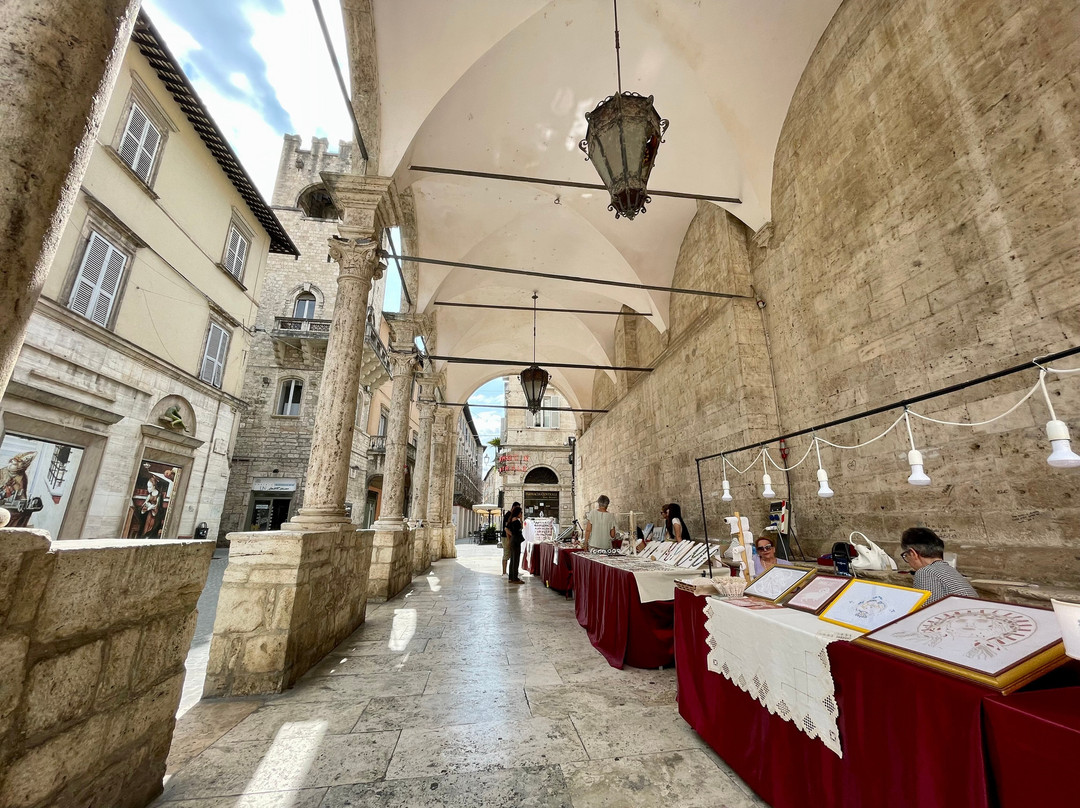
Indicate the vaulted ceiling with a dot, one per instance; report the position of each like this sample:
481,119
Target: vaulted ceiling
502,87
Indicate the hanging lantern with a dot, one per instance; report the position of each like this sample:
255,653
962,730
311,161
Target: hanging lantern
625,131
623,135
534,381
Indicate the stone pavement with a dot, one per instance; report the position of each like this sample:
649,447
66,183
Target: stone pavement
463,691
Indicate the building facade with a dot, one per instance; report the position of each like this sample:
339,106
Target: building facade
288,351
124,401
468,486
534,460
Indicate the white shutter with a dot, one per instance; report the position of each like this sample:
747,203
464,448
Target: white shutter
213,364
98,279
235,252
139,146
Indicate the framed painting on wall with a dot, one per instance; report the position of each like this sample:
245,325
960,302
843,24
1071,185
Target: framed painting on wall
775,583
866,605
998,645
818,593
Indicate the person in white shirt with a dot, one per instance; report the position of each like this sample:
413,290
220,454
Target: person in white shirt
600,525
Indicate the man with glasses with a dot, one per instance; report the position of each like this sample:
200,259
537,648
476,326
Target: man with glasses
921,548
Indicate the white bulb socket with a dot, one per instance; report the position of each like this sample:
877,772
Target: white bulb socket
727,492
823,484
766,481
1061,455
918,476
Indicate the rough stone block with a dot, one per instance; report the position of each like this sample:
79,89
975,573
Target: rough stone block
164,646
62,688
13,648
265,653
50,766
120,654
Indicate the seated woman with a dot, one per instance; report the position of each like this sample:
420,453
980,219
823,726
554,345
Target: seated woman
766,556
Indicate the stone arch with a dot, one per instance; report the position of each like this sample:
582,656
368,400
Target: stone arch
541,475
289,303
316,203
174,413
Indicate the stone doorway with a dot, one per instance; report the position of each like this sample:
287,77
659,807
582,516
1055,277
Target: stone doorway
269,513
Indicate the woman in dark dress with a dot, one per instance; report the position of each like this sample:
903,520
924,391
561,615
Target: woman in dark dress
516,536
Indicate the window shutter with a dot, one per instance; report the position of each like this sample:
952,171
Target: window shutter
213,364
139,146
235,252
98,280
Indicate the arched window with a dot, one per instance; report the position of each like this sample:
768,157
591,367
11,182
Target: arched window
289,400
541,476
317,204
304,308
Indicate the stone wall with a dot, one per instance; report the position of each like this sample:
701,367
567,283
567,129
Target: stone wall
93,637
923,237
924,233
287,599
710,389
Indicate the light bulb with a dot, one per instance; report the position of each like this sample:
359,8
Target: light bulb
727,492
1062,456
823,484
918,476
766,481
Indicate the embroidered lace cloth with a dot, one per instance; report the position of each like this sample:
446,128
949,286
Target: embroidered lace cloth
778,657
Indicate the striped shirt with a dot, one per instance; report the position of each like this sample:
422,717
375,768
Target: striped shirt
942,580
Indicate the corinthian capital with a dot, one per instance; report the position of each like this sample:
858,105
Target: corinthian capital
357,257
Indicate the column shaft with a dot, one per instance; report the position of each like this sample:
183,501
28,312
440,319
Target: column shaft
58,65
397,438
331,439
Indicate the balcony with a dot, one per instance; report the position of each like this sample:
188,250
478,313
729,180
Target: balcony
309,337
375,358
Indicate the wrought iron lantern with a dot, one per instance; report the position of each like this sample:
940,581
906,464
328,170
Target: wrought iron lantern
534,379
624,133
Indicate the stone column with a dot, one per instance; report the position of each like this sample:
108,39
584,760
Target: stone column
436,483
450,532
392,554
426,405
331,440
58,65
391,515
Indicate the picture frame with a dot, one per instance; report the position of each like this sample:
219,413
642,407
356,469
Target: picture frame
777,582
818,593
865,605
1001,646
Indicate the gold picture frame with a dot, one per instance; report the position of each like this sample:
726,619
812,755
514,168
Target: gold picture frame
865,605
1001,646
778,582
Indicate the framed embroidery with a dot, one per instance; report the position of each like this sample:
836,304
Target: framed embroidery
998,645
773,584
866,605
818,594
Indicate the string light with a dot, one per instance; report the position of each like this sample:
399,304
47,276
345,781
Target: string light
766,480
822,476
914,458
727,486
1061,455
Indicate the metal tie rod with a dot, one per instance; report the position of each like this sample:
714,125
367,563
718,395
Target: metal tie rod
574,278
557,311
468,360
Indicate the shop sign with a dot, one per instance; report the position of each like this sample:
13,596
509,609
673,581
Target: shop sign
274,484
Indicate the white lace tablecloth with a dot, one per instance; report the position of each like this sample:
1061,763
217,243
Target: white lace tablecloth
655,581
778,657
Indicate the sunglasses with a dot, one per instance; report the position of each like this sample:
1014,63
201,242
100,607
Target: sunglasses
764,547
904,554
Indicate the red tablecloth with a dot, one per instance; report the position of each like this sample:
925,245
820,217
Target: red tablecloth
561,577
911,736
621,627
1033,741
530,558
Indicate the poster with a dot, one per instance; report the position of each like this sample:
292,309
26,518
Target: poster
151,499
36,481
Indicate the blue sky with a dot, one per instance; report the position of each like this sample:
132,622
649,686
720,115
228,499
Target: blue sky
262,69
